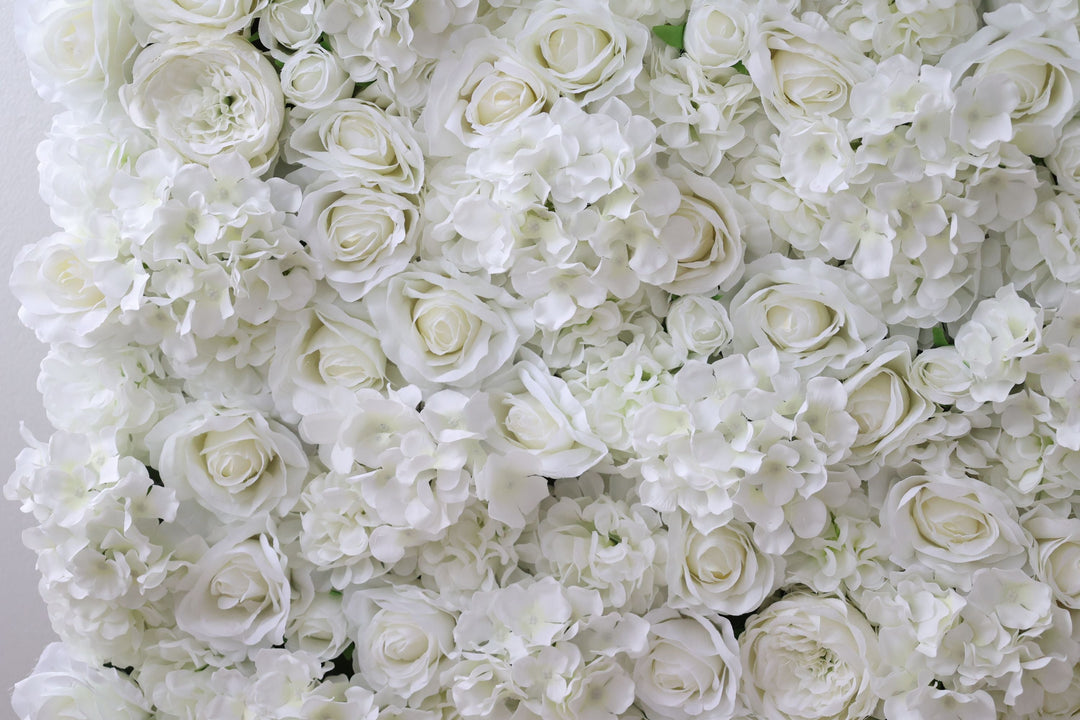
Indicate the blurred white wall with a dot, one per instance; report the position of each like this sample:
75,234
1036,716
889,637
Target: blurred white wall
24,118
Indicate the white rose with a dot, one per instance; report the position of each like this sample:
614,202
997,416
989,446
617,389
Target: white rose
321,629
718,34
359,141
953,526
67,297
402,637
941,375
808,657
1064,160
234,463
1055,555
357,235
815,315
324,350
883,403
699,325
79,51
236,597
204,99
699,246
722,570
481,90
691,667
290,24
532,410
169,19
804,69
447,329
64,688
1033,64
314,78
583,49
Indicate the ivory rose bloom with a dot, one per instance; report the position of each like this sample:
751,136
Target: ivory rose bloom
451,329
804,69
357,235
815,315
359,141
205,99
65,688
197,18
953,526
236,597
1055,556
809,657
718,34
402,638
583,49
722,570
690,668
234,463
482,90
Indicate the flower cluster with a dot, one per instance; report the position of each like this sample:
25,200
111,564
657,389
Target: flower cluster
556,359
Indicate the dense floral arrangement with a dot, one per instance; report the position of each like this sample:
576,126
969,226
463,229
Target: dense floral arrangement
666,359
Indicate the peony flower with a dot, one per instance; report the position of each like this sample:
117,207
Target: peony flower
204,99
808,657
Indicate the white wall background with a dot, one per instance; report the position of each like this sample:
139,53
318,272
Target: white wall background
24,626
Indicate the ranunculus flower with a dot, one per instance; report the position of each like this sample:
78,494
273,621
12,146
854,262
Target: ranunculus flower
205,99
808,657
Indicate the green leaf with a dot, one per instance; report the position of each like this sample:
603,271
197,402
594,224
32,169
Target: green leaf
740,68
718,297
671,34
940,338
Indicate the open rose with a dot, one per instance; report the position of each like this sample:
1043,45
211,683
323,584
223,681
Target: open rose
953,526
236,597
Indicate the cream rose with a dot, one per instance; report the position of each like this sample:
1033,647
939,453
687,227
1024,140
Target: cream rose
532,410
79,51
953,526
883,402
480,91
690,668
448,329
804,69
815,315
721,571
234,463
402,638
941,375
205,99
203,18
718,34
314,78
1055,555
360,141
236,597
808,657
65,688
325,350
583,49
698,325
357,235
